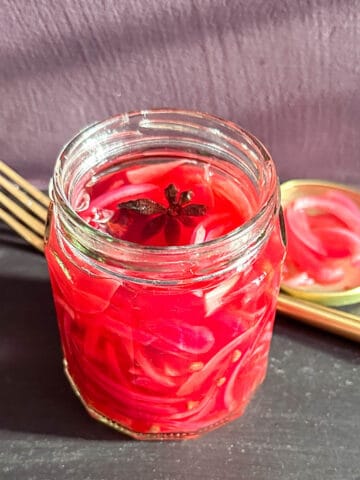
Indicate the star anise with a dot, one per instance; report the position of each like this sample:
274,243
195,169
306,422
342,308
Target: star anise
179,210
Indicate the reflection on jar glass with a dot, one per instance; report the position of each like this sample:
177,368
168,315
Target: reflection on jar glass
165,253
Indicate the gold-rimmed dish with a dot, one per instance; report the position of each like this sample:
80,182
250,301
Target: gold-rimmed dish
293,190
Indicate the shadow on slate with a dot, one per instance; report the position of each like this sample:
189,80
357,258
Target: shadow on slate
10,239
35,396
316,339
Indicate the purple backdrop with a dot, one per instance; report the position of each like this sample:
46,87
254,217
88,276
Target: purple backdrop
287,70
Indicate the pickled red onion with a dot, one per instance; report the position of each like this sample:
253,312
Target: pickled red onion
323,241
298,226
349,216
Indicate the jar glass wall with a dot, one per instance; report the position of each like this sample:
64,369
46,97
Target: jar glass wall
165,341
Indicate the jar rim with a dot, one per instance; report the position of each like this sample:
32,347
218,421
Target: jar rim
90,130
232,145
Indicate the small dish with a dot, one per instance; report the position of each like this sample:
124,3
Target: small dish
293,190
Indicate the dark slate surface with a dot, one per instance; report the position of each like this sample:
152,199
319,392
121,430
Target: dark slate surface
303,424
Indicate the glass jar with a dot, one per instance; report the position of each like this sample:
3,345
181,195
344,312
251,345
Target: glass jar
165,342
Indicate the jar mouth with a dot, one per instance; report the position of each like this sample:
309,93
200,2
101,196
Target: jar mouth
225,133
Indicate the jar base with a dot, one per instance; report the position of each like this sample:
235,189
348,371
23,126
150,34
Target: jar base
158,436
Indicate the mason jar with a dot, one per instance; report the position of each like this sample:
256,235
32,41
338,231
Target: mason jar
165,340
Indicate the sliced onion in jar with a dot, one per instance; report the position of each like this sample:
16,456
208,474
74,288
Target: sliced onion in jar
127,192
204,229
148,173
218,362
177,335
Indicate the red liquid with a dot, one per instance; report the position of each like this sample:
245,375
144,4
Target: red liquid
163,361
227,204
